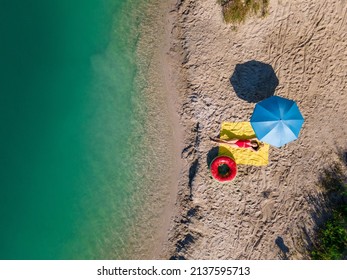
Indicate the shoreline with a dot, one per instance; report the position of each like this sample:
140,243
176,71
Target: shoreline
163,131
167,76
268,212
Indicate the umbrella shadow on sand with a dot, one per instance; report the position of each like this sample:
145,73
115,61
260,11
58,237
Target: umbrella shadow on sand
254,81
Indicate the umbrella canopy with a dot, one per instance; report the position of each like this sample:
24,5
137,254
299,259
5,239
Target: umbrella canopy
277,121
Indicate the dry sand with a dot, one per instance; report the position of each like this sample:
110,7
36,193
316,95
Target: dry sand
267,212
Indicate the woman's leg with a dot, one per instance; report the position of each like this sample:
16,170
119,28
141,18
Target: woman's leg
218,140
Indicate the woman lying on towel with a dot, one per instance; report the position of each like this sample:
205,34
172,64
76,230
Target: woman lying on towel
253,144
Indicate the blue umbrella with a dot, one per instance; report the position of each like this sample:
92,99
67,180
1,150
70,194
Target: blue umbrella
277,121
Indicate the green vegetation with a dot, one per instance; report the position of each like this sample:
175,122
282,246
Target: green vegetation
331,243
236,11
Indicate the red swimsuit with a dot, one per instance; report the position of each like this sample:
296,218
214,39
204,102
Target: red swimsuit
243,143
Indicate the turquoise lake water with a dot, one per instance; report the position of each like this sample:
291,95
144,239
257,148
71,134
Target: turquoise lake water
69,111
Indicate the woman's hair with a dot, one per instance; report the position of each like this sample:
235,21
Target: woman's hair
258,145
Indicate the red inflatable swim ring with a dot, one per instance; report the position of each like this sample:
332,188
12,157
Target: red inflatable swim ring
223,168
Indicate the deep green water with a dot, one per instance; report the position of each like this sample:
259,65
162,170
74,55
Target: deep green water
67,119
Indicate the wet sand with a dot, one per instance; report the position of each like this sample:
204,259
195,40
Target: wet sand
164,134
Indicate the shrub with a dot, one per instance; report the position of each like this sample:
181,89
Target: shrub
331,240
236,11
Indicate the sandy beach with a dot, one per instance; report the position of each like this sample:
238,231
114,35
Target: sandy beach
268,212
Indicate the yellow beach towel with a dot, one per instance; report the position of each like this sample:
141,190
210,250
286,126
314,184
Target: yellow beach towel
242,130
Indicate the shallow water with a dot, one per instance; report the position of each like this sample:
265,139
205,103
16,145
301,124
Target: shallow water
79,136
